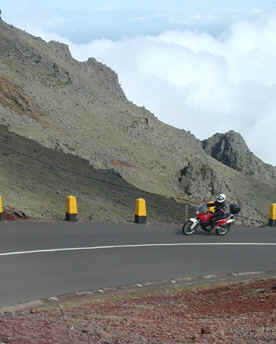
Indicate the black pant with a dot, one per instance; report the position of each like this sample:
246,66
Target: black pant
217,217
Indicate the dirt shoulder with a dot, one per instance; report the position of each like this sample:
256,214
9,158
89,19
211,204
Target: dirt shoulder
233,308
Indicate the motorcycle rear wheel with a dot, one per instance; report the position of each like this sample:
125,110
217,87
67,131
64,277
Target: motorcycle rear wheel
223,230
187,228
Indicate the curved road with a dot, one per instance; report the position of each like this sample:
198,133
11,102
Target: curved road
40,260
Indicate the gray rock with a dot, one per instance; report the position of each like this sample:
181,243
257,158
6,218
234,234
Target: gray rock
231,149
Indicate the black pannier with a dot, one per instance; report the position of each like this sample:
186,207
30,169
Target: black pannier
234,208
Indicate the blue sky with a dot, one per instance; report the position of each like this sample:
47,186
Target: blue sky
203,66
82,21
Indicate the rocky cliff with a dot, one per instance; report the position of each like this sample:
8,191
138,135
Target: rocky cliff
231,149
79,108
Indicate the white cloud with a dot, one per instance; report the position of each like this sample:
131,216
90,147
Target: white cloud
196,17
200,82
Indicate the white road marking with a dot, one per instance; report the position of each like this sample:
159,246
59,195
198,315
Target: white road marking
133,246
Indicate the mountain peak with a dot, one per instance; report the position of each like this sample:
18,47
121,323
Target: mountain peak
231,149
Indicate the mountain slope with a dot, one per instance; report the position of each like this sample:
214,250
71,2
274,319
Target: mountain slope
79,108
37,180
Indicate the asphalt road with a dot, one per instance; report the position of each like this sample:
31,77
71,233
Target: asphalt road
40,260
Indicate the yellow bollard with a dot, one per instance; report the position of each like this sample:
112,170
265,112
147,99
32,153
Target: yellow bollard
1,210
272,216
72,209
141,211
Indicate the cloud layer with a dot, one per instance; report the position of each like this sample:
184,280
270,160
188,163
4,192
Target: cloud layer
199,82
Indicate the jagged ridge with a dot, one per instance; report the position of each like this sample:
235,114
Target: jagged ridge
231,149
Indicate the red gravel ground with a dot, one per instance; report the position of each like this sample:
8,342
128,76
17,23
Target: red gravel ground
244,312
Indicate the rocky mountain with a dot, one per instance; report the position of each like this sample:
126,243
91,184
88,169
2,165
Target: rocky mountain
79,108
231,149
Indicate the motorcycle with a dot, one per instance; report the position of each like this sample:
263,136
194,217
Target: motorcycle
202,221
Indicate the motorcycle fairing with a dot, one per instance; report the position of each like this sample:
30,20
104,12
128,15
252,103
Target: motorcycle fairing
205,217
194,221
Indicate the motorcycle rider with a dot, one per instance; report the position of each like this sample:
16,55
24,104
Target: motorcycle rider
220,207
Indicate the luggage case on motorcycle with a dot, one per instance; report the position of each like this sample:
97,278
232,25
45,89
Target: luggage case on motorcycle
211,206
234,208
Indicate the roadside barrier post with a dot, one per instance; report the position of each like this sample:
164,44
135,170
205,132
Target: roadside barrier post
1,209
141,211
272,217
72,209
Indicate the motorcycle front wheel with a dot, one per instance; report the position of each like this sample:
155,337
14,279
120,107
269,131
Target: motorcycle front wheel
187,228
223,230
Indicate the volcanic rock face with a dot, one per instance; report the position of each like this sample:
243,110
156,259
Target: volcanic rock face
199,178
231,149
14,98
